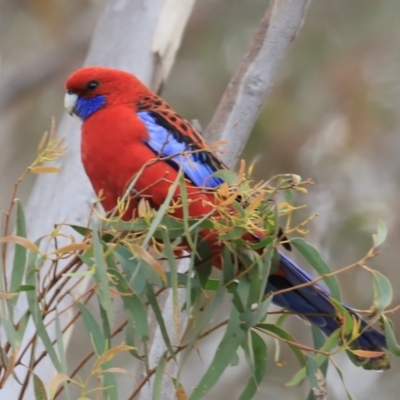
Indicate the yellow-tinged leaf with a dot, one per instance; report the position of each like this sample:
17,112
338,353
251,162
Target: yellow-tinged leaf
218,143
229,200
6,296
116,370
42,142
224,190
146,256
242,170
180,393
356,327
55,382
10,367
21,241
142,208
79,274
367,353
45,169
255,203
115,291
110,354
302,190
72,247
296,179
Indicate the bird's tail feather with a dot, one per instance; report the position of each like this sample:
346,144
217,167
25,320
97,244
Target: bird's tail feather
315,304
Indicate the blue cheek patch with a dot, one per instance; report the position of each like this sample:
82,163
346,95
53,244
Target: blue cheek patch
86,107
194,165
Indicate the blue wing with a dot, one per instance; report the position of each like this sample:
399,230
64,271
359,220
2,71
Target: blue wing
166,141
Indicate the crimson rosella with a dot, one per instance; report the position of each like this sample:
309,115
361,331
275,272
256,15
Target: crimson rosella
129,131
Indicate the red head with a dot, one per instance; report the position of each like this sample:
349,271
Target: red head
92,88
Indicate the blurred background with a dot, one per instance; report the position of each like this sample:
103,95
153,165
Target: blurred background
332,117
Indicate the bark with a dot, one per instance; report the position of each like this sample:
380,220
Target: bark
252,82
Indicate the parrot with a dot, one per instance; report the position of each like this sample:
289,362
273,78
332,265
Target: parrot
128,130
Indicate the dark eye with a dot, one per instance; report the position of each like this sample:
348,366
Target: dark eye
92,85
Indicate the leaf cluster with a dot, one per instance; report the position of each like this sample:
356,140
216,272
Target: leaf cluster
138,260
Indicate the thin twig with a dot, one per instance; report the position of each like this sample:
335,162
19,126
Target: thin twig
151,371
324,276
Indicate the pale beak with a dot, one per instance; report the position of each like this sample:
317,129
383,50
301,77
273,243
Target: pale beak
70,100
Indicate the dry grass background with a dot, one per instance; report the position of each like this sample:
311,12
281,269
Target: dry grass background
333,116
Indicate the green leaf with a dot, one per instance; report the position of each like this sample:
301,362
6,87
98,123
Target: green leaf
383,292
184,280
227,176
260,356
258,369
212,285
174,278
132,303
39,389
228,267
185,209
312,370
200,319
100,274
23,323
319,340
289,196
135,225
37,316
239,209
380,236
12,335
203,262
93,330
25,288
100,346
109,382
19,263
344,315
223,357
193,286
393,347
106,325
236,233
80,229
281,333
251,318
162,210
158,314
109,379
264,270
254,275
158,380
315,260
174,226
130,338
61,352
319,359
131,267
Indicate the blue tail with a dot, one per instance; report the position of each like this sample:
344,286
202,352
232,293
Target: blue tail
313,304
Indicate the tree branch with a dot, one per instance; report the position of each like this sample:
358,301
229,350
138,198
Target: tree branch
252,82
